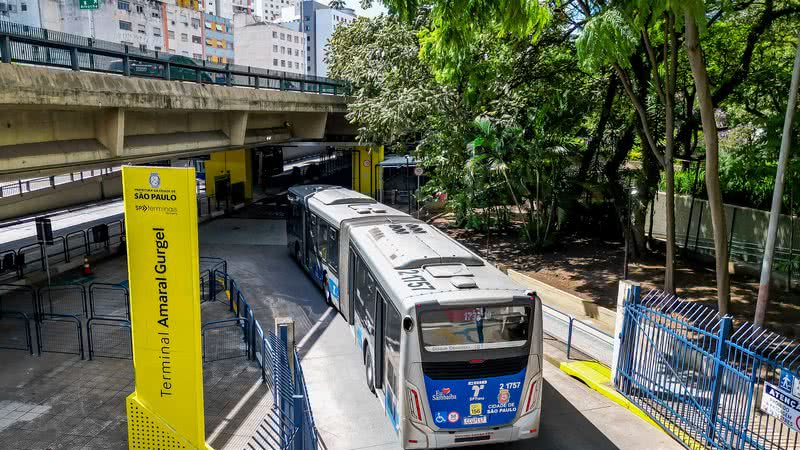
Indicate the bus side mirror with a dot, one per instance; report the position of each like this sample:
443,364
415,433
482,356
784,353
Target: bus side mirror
408,323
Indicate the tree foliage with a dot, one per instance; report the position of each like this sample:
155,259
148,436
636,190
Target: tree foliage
554,108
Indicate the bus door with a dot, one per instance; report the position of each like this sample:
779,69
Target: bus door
365,307
390,358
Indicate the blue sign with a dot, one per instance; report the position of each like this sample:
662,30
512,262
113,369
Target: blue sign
787,381
479,402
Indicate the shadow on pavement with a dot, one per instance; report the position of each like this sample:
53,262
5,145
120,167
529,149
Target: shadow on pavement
562,427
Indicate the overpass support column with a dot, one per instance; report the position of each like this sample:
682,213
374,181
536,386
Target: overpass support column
236,127
110,129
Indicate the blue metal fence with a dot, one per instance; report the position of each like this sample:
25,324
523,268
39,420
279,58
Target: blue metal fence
290,423
710,382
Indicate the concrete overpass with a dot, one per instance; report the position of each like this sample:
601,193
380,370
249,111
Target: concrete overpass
53,121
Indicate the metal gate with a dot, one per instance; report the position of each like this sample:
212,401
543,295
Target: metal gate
712,385
15,331
69,299
18,298
59,333
110,301
109,338
225,339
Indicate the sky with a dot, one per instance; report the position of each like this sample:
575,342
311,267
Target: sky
376,9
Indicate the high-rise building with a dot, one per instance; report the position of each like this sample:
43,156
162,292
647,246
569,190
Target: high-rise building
318,21
199,29
219,39
25,12
270,10
268,45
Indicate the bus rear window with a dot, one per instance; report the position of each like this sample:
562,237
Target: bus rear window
475,328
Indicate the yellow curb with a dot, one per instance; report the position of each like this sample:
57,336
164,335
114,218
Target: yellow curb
598,377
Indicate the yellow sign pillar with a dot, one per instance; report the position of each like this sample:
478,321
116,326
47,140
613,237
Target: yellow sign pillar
366,175
236,163
166,409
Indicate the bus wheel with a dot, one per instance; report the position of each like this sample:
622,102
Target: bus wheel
325,291
370,372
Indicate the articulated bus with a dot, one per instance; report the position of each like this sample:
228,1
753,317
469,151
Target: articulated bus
451,346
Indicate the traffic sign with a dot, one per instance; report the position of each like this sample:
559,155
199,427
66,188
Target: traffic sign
89,4
418,171
44,230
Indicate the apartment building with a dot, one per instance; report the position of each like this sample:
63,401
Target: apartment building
268,45
219,39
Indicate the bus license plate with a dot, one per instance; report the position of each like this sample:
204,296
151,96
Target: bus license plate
473,437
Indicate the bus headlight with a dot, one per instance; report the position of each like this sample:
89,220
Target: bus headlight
532,397
414,405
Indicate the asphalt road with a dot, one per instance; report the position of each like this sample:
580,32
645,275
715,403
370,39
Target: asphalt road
348,416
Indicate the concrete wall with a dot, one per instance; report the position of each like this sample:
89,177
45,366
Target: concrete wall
746,229
62,196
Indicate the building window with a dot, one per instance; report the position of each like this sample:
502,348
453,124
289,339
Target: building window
296,65
308,38
143,47
297,39
140,9
197,40
274,34
306,27
141,29
283,50
275,48
195,23
171,34
156,14
296,52
125,25
184,37
125,6
283,37
157,48
197,56
283,63
156,32
23,7
275,62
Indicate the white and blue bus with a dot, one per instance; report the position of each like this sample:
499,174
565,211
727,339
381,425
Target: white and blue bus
450,344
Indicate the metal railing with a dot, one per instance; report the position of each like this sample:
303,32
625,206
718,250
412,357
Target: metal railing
20,187
30,258
710,384
290,423
578,335
30,45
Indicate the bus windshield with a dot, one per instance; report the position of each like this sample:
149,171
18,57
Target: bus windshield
474,328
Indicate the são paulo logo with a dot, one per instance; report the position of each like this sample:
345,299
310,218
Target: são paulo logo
155,180
443,394
503,397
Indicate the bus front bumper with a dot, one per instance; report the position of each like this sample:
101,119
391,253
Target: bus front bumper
420,436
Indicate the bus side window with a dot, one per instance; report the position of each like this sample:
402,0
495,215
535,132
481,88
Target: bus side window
322,239
369,301
312,232
333,249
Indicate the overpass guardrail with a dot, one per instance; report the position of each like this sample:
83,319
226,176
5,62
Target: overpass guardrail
38,46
